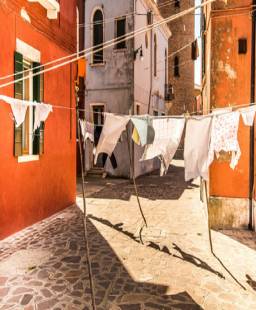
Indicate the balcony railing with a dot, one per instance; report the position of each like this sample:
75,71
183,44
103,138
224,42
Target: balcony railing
169,92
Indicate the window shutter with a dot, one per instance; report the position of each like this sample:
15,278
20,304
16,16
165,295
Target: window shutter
38,138
18,93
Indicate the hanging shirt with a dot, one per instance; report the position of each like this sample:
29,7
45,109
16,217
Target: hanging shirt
143,132
42,112
196,148
87,130
248,115
224,137
19,108
168,132
113,127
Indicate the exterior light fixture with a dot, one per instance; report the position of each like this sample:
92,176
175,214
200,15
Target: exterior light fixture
139,50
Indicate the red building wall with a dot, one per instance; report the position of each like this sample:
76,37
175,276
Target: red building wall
230,85
34,190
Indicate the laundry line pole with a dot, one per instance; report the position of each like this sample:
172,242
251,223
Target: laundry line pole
134,181
84,203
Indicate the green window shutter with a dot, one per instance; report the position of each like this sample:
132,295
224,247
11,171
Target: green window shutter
18,93
38,138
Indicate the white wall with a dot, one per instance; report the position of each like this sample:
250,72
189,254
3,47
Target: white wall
142,70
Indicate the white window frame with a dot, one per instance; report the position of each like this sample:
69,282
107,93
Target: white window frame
33,55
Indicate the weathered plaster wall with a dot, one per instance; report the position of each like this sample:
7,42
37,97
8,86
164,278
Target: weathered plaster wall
110,84
32,191
143,94
228,213
227,83
230,85
122,83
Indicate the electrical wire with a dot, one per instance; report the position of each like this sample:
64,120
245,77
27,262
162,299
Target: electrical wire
113,42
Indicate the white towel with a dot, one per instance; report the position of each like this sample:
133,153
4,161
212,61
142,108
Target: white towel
168,133
196,148
113,127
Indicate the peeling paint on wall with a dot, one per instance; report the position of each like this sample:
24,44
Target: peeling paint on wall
228,69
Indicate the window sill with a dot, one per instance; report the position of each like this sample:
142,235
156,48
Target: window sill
98,64
27,158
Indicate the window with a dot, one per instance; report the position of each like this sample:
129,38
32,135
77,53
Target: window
242,46
120,24
155,55
177,3
26,141
137,109
155,113
176,66
97,37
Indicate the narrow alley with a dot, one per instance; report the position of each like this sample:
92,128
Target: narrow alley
167,265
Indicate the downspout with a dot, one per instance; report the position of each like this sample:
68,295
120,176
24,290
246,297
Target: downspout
132,168
251,176
151,63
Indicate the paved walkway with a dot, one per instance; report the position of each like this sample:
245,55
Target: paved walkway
44,266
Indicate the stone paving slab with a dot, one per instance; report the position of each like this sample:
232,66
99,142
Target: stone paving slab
172,269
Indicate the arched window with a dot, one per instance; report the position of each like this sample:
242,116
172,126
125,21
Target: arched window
98,36
155,55
176,66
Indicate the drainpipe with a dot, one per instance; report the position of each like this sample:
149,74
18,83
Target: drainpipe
151,64
251,177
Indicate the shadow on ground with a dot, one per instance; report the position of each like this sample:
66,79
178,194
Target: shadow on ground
114,285
196,261
63,281
153,187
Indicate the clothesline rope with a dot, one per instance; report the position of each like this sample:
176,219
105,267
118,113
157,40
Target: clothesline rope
77,54
110,43
192,114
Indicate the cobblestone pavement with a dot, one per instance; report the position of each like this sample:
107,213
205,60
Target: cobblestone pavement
167,265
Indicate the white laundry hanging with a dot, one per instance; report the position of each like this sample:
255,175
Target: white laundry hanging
42,112
87,130
19,108
248,115
224,137
168,133
113,127
196,148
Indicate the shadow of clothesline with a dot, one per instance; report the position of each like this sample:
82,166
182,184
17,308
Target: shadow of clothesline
153,187
184,256
251,282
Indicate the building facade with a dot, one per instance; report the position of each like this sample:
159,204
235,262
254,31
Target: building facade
228,65
181,64
38,172
129,77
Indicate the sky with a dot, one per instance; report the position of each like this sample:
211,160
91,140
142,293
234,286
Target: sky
197,34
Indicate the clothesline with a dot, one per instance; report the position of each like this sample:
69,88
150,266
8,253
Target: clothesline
187,115
205,137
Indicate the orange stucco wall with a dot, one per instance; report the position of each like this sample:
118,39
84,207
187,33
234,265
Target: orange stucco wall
230,85
32,191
